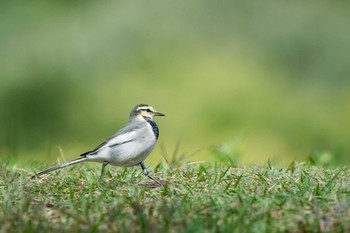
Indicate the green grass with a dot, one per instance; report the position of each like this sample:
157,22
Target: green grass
195,198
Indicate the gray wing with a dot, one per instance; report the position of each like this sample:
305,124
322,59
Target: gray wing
124,135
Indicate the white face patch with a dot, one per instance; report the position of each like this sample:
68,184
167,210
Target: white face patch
143,111
146,111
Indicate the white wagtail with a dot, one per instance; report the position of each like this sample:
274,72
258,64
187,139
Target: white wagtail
128,147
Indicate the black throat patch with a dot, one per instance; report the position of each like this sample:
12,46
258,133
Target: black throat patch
154,126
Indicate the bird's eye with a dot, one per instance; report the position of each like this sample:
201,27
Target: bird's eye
148,110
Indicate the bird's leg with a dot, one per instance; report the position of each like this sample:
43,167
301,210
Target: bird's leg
145,172
105,163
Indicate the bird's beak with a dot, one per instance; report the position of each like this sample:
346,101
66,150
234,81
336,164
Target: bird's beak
159,114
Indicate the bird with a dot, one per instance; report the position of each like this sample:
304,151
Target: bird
130,146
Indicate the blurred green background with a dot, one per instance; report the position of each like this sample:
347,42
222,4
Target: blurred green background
254,80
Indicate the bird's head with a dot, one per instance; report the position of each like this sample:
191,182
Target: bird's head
143,110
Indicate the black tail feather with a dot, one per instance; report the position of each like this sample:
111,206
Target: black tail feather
62,165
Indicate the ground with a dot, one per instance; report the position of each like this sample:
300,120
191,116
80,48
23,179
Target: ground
196,197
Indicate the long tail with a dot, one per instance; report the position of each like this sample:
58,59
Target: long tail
62,165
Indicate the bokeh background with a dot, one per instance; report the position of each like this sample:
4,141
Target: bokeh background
253,80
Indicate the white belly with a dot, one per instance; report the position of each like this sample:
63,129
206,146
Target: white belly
132,153
126,154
